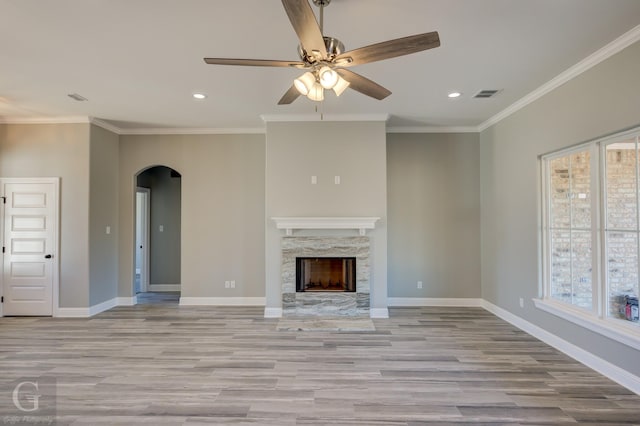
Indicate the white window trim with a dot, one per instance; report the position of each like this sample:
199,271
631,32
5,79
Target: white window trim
596,319
595,219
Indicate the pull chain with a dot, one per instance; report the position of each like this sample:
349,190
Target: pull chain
321,111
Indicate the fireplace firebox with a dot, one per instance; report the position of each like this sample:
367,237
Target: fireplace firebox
317,274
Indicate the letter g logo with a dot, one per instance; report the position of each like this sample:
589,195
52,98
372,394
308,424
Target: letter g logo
32,397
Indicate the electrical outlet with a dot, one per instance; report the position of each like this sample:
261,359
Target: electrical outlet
233,284
227,284
521,302
314,180
419,284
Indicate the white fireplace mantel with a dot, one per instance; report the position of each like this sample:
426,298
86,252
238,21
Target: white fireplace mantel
359,223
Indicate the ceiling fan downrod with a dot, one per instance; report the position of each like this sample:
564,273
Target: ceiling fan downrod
321,4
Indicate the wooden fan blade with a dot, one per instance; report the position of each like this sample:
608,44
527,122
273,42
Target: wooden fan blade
291,95
364,85
255,62
306,27
388,49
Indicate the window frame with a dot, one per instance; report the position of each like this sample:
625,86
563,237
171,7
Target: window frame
597,318
546,224
605,287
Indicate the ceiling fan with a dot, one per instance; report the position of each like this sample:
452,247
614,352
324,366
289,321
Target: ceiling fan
326,61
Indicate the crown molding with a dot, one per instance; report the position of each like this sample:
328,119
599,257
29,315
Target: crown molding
105,125
193,131
45,120
434,129
622,42
323,117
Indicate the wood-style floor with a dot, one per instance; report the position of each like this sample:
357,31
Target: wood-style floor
162,364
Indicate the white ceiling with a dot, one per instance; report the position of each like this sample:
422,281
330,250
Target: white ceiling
139,61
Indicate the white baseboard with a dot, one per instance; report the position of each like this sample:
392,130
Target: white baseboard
86,312
273,312
127,301
433,301
223,301
378,313
164,287
95,309
72,313
613,372
104,306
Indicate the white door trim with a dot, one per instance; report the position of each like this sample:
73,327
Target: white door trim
144,276
55,228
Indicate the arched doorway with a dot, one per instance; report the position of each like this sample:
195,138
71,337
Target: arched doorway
158,235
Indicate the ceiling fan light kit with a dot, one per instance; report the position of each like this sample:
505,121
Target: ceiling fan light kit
340,86
316,93
328,77
304,83
325,59
312,84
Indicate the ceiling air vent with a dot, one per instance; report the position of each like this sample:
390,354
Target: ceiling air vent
486,93
77,97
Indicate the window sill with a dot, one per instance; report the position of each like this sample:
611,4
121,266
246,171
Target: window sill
618,330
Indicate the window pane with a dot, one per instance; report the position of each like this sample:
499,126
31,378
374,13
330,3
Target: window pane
622,269
559,187
581,260
581,190
621,186
561,265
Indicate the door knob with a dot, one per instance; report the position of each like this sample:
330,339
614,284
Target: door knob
48,256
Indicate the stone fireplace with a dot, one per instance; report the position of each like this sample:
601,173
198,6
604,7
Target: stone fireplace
339,258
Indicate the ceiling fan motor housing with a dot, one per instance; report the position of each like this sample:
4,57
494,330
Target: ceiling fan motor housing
334,48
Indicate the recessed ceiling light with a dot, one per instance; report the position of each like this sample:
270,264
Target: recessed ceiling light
454,94
199,95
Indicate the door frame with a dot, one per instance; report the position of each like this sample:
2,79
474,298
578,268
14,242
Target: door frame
144,283
55,223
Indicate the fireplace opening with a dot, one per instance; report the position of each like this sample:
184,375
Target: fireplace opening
326,274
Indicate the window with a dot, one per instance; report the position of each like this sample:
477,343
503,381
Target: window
621,228
570,229
591,235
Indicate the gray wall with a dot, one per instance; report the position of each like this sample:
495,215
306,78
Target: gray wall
433,183
103,212
165,248
603,100
356,151
57,150
222,209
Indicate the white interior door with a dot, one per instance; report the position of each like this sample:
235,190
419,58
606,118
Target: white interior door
29,246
